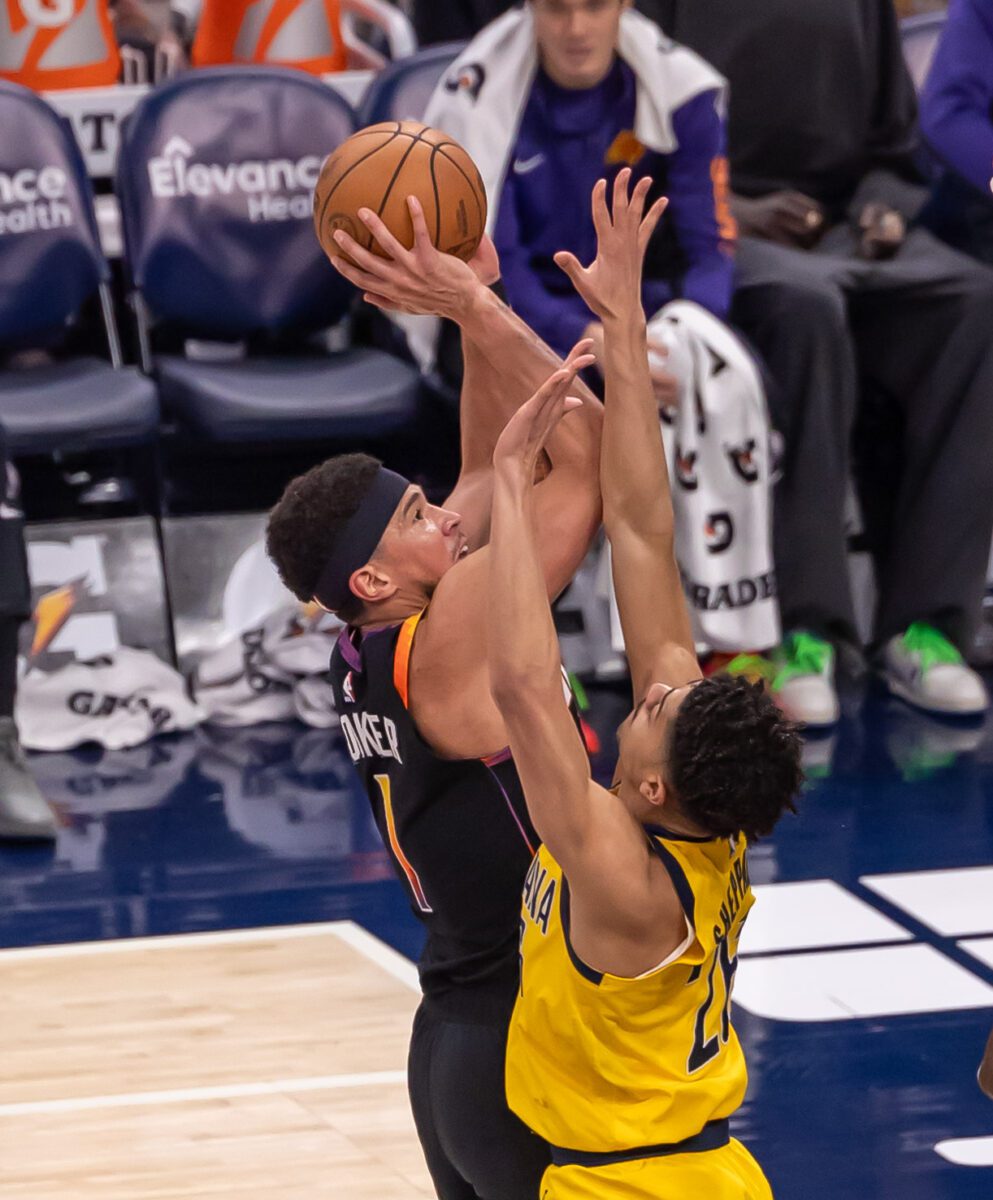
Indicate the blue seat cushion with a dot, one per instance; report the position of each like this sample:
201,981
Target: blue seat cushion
80,404
357,393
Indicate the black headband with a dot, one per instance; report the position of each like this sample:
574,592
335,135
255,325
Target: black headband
360,536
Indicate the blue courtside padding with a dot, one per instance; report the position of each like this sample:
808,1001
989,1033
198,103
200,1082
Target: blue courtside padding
50,264
215,177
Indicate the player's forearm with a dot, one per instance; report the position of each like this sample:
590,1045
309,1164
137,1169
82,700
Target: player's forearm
523,649
509,362
633,478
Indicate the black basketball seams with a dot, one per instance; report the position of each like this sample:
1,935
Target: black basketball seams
414,138
462,171
399,167
344,175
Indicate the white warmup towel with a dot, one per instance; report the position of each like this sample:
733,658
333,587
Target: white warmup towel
720,466
117,702
482,97
274,672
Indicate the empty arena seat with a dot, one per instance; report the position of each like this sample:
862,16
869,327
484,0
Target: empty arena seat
51,264
401,91
215,179
919,36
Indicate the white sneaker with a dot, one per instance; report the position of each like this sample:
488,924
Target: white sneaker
804,681
922,667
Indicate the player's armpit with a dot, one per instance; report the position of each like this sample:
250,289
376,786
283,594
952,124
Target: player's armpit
626,915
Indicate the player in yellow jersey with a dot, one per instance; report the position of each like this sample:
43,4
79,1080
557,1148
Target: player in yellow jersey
621,1052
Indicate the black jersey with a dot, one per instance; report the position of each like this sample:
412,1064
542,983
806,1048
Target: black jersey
458,831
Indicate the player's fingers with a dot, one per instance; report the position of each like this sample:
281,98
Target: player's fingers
601,218
372,263
638,197
362,279
566,261
583,347
620,203
383,236
652,218
422,239
382,302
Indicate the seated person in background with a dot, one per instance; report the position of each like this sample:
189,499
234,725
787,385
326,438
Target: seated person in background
24,814
835,287
957,122
52,44
305,34
549,98
587,112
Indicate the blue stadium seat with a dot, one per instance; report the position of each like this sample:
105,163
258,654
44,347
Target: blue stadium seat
919,36
215,179
50,265
402,90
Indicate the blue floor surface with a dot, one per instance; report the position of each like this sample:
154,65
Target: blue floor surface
231,829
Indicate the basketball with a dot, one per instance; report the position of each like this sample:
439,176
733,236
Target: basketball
379,167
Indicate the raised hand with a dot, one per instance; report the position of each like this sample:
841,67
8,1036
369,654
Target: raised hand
611,284
419,280
525,434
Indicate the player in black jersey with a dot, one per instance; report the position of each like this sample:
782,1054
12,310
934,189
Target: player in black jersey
411,684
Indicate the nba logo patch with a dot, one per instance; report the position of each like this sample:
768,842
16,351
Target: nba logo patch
348,687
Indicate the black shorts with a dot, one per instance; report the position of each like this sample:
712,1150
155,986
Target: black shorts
476,1149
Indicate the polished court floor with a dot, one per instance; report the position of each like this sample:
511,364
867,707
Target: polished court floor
264,1056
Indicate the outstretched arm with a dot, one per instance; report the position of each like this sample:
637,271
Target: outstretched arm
505,361
625,913
637,503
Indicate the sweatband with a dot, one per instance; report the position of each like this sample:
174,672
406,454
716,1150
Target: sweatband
359,537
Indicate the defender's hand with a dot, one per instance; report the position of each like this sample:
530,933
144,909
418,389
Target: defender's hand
523,439
421,280
611,284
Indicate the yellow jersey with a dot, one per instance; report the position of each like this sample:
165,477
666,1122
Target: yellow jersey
600,1064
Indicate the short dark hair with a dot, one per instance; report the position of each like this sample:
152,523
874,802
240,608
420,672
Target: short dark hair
308,517
734,758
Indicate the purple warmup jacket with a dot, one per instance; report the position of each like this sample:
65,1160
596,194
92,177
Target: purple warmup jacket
570,139
957,102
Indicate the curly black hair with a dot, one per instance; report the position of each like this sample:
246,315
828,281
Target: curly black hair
308,516
734,759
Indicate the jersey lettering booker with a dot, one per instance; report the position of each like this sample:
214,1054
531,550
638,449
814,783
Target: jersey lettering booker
458,831
601,1064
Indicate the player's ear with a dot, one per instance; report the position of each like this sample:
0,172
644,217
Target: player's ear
372,584
652,788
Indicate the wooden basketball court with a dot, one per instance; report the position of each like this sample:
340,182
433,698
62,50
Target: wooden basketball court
258,1064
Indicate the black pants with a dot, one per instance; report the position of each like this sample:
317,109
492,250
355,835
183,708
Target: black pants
476,1149
918,331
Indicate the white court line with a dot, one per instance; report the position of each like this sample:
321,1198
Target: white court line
231,1091
967,1152
386,958
224,937
378,952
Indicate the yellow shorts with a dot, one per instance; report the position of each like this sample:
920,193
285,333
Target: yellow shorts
729,1173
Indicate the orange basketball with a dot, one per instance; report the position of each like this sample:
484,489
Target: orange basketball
379,167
